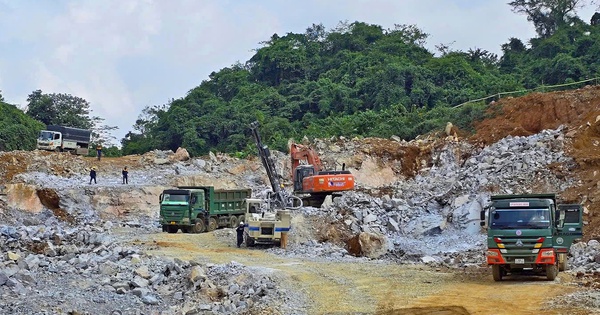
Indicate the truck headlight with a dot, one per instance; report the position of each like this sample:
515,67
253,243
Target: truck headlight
547,253
492,253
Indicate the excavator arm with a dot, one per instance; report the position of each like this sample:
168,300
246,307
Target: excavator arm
299,153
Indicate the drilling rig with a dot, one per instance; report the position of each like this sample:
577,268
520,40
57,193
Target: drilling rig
267,219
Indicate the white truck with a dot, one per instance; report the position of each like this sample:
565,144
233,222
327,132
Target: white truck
61,139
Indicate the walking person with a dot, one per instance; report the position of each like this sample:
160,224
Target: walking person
93,175
240,234
99,151
125,173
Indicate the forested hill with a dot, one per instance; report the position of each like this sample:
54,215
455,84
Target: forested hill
357,80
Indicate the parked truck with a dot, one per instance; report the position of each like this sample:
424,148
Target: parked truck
61,138
530,233
198,209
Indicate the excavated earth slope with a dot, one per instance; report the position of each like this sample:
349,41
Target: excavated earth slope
577,110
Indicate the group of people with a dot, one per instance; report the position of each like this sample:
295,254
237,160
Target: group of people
124,172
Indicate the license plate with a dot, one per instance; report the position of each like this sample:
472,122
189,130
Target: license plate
519,261
172,222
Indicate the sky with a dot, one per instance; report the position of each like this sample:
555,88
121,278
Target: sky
122,56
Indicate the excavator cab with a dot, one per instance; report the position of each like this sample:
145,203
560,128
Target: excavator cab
302,171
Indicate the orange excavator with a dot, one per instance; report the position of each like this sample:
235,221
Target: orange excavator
311,182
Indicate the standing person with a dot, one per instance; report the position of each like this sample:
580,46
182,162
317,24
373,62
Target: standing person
240,234
93,175
125,173
99,151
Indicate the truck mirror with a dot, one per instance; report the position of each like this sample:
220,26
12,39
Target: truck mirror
482,223
160,198
560,218
482,216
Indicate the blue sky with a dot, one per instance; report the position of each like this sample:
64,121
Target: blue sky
122,56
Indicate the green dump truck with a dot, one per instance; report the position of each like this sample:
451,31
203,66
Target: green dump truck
530,233
198,209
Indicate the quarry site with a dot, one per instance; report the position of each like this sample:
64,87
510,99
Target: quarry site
406,241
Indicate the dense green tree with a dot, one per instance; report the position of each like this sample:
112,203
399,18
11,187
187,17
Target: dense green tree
17,130
548,15
59,109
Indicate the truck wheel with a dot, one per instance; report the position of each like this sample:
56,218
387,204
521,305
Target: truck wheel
551,272
198,227
562,266
242,218
172,229
233,221
497,272
164,228
185,229
212,224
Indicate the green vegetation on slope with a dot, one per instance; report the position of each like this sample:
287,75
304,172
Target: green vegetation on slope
17,130
356,80
359,80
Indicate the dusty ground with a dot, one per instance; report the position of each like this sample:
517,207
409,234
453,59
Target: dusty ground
376,287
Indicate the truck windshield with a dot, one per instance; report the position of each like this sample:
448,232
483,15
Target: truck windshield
45,136
176,198
520,219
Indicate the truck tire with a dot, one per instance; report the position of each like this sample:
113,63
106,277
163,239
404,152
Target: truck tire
562,266
242,218
497,272
172,229
185,229
212,224
233,221
198,226
551,272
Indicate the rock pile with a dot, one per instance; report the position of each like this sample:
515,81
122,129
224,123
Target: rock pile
54,269
437,212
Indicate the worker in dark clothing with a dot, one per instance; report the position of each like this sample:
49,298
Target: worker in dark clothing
125,172
240,234
99,151
93,175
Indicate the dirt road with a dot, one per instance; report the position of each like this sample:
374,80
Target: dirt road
376,287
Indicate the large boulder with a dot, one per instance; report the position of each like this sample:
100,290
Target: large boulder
367,244
428,225
180,155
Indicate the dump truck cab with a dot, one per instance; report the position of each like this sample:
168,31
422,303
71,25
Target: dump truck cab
179,208
524,232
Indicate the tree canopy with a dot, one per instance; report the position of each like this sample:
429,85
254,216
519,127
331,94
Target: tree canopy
17,130
360,79
59,109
